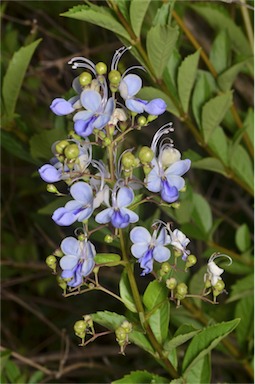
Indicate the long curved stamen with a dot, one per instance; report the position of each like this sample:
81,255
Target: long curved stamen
105,93
80,231
216,255
167,128
96,164
85,63
133,67
117,56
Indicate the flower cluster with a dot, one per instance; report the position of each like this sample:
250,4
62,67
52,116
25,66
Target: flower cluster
105,108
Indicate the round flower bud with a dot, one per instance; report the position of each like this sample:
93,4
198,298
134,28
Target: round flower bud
73,135
146,169
85,78
216,292
145,155
58,252
128,160
165,268
51,188
60,146
208,283
142,120
121,334
182,289
171,283
170,156
151,118
80,328
191,260
106,141
81,237
123,125
101,68
108,239
51,261
176,205
177,252
72,151
127,326
61,282
114,77
219,286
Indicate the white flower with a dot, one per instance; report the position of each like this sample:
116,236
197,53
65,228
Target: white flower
213,271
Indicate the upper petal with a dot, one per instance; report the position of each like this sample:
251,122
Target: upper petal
130,85
91,100
153,181
178,168
161,253
125,196
83,115
176,181
139,249
70,246
104,216
68,262
162,238
82,192
140,234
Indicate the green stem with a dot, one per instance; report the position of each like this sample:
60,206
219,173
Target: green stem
247,23
139,306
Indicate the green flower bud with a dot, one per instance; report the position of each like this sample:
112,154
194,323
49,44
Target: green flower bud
208,283
101,68
182,289
58,252
85,78
146,169
171,283
108,239
123,125
177,252
81,237
145,155
142,120
101,134
191,260
71,151
80,328
106,141
51,188
51,261
219,286
165,268
128,160
61,158
114,77
88,320
127,326
121,334
61,282
151,118
60,146
175,205
73,135
216,292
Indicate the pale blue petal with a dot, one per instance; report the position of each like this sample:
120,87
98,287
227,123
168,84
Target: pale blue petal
155,107
161,253
101,121
109,108
62,217
140,234
49,173
76,85
176,181
135,105
87,267
82,192
104,216
68,262
83,115
139,249
73,205
133,217
84,128
91,100
70,246
178,168
133,85
153,181
168,192
125,196
162,237
85,214
61,107
91,250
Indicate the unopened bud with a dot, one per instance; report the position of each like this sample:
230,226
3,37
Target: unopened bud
51,261
176,205
60,146
106,141
165,268
114,77
171,283
219,286
177,252
71,151
101,68
145,155
58,252
121,335
141,121
146,169
85,78
127,326
51,188
108,239
61,282
128,160
181,291
191,260
151,118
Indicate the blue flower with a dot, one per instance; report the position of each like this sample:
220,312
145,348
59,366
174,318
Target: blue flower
78,260
118,214
63,107
129,86
51,173
97,115
147,248
80,209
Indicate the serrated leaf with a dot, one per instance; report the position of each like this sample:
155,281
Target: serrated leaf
138,9
184,333
106,258
12,145
205,341
219,19
154,294
227,78
242,238
200,372
242,288
15,74
204,88
163,15
138,377
159,322
160,44
213,113
241,164
98,15
210,164
110,320
202,214
149,93
186,78
126,293
245,310
220,51
219,144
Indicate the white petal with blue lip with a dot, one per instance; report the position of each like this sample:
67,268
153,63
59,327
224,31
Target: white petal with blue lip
153,181
125,196
161,253
91,100
135,105
139,249
133,217
176,181
178,168
85,214
104,216
68,262
82,192
70,246
140,234
130,85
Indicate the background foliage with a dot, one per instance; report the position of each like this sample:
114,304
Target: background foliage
199,59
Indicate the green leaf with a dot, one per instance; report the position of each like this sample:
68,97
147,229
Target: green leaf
163,15
149,93
138,9
178,381
36,377
4,357
218,142
184,333
213,113
107,258
160,44
219,19
210,164
205,341
186,78
242,238
14,76
249,124
245,310
98,15
12,145
202,214
200,372
154,294
12,371
138,377
139,339
159,322
123,6
220,51
53,205
242,288
241,164
227,78
204,87
126,293
110,320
